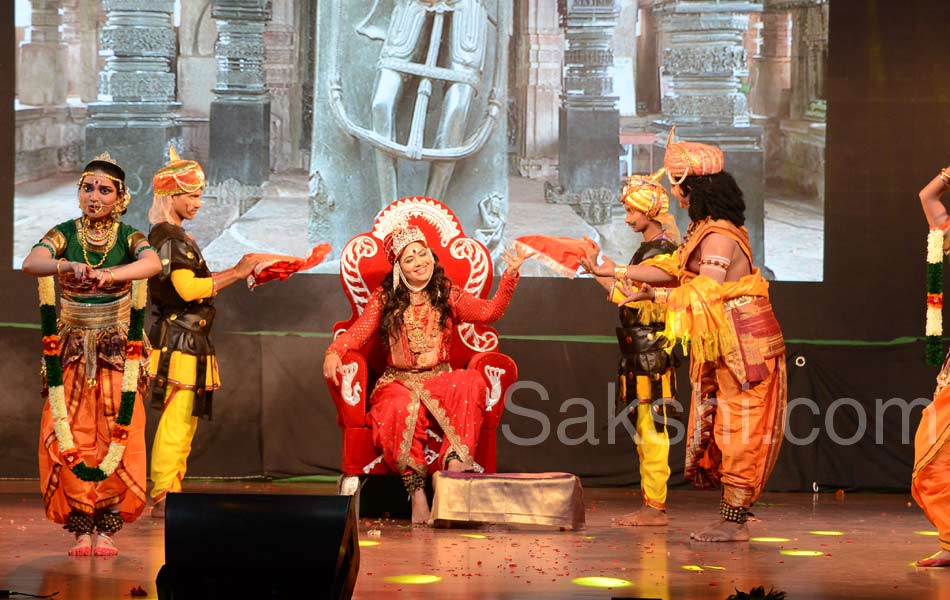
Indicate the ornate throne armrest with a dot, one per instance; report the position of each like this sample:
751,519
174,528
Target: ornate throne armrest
500,372
350,395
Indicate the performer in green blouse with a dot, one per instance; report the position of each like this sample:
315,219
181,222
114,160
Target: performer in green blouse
92,433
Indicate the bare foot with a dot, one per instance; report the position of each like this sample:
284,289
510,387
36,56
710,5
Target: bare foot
645,517
105,546
940,559
722,531
158,509
420,508
83,545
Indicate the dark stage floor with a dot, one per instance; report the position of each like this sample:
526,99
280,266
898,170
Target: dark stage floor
880,535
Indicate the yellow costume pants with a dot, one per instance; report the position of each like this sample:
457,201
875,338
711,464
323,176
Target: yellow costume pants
177,426
653,448
172,443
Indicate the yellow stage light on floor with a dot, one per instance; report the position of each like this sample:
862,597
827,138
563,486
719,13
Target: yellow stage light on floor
821,532
770,540
695,568
932,533
414,579
802,553
714,568
474,536
367,543
602,582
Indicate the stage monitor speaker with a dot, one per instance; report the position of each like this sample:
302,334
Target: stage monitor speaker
259,546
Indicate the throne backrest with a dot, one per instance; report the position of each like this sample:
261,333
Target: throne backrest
466,261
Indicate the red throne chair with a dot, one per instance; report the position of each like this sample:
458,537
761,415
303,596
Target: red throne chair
363,265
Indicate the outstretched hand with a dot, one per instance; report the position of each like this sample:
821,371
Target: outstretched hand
589,262
246,265
514,261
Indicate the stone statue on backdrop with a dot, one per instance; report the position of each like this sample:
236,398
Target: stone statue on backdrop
418,33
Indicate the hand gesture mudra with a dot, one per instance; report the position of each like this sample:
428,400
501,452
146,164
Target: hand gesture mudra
516,259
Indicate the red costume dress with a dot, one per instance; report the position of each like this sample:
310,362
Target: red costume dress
419,395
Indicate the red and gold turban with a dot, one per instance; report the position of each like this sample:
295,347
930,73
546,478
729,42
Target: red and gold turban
399,237
683,159
644,193
178,176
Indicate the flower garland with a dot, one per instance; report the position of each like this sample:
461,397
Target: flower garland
57,395
934,328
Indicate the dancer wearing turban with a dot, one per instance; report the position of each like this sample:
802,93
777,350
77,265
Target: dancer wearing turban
646,383
737,352
183,369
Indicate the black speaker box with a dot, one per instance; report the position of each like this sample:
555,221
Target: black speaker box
259,546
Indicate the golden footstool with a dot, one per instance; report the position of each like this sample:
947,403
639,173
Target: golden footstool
550,499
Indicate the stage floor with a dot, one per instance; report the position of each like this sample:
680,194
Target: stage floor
880,537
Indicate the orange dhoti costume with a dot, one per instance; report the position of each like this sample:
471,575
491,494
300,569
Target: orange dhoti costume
930,484
737,369
92,430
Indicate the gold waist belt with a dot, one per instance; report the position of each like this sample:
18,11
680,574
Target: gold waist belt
737,302
412,375
95,316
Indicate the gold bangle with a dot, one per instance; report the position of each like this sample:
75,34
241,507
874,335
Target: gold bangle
661,295
620,272
944,177
59,263
111,277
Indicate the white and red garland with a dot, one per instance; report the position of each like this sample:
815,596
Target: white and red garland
57,394
934,326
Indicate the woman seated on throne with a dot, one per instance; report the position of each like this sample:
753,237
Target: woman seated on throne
414,312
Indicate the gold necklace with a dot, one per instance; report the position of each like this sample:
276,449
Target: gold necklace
110,242
417,326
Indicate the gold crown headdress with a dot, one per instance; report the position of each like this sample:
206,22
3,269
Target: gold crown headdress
401,235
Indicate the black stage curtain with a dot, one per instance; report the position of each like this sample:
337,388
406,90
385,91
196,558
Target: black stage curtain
274,416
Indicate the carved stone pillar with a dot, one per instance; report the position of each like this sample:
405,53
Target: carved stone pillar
537,70
624,47
43,57
801,163
80,32
648,64
134,118
284,82
704,60
240,113
769,94
588,164
809,57
196,61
